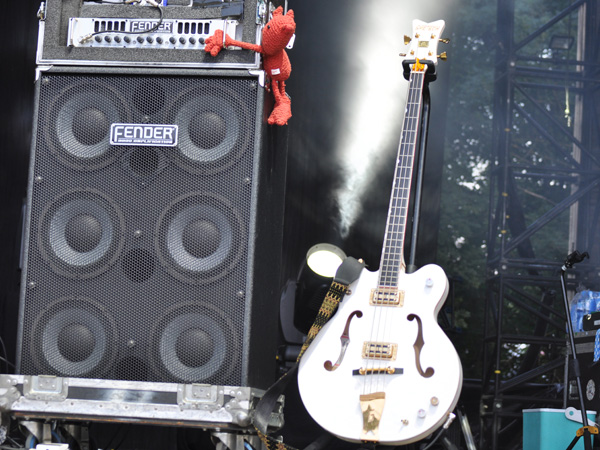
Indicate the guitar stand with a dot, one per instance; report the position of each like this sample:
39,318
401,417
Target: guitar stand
586,430
423,130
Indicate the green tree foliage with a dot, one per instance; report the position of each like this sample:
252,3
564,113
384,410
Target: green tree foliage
465,191
469,149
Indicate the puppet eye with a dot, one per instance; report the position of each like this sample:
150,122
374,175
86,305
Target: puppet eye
269,27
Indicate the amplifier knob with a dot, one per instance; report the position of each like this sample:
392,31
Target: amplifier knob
172,40
117,39
201,40
140,39
192,40
150,39
127,39
182,40
98,39
159,40
107,38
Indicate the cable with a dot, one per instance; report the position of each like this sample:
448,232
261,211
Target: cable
434,439
451,417
13,442
30,442
8,364
153,3
56,437
5,357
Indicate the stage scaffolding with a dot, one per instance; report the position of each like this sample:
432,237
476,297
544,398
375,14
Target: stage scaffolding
544,203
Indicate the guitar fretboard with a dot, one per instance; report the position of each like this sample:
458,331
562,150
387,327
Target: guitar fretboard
393,243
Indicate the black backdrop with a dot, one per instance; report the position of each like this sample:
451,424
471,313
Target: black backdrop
19,33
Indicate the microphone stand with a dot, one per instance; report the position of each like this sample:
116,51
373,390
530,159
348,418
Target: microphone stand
586,431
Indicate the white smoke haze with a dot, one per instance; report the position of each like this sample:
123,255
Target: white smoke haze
375,96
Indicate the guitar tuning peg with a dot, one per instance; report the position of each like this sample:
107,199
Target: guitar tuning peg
443,56
407,39
444,40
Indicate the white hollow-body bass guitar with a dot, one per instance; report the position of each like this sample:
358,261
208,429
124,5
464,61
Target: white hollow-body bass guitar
382,370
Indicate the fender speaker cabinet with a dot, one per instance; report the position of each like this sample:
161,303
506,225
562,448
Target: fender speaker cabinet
154,221
153,233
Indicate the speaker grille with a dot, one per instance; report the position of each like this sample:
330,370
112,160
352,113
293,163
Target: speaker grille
77,123
138,261
74,337
200,238
81,233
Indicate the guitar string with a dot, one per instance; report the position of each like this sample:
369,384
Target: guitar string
376,330
391,264
403,193
393,233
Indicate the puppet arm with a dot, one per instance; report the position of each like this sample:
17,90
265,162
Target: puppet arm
214,44
245,45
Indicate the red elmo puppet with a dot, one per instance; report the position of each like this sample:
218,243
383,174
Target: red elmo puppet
275,36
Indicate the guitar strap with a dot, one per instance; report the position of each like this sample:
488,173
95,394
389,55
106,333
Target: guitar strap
348,272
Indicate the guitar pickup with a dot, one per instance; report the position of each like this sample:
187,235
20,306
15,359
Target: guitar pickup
379,371
379,350
387,296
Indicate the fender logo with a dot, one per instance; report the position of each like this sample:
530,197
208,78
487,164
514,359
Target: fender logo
143,134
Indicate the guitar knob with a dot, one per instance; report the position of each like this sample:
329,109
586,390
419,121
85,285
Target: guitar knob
429,282
435,401
422,413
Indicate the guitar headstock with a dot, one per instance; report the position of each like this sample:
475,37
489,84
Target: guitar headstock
423,46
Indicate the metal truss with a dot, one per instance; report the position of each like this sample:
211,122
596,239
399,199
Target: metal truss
544,203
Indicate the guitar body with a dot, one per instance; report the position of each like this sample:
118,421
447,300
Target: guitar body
428,375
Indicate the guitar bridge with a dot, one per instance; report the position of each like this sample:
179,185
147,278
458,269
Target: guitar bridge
379,350
387,296
379,371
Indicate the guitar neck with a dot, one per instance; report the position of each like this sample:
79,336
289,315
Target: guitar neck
392,260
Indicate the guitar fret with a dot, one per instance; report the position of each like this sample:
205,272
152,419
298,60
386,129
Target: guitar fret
392,254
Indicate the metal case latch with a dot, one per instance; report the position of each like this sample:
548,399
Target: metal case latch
45,387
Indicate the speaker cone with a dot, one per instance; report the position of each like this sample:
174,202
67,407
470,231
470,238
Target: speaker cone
196,342
77,124
81,233
200,238
214,128
74,336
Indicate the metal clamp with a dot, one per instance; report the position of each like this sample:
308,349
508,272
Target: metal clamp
574,415
45,388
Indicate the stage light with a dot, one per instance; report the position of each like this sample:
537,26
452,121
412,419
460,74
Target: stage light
314,278
324,259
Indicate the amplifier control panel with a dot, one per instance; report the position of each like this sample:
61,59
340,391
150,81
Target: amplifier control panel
147,33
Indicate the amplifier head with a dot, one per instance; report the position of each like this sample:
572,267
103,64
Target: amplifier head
116,33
